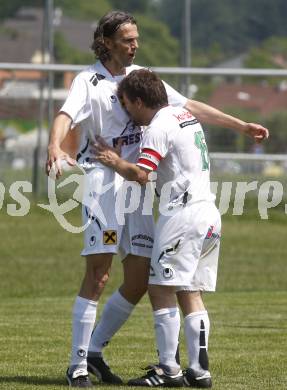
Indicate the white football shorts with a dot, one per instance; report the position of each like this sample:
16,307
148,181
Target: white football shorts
112,210
186,248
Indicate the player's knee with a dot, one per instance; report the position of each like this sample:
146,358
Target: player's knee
133,292
100,279
136,285
97,277
140,290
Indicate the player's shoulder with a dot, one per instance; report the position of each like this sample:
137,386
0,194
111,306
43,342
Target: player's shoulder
160,123
180,116
176,109
166,119
169,113
86,71
91,70
178,113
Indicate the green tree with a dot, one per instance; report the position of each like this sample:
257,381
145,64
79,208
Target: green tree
223,140
87,9
157,46
276,122
271,53
141,6
9,8
234,25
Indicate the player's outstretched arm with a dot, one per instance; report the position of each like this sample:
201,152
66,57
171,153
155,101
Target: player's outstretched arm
210,115
60,128
111,158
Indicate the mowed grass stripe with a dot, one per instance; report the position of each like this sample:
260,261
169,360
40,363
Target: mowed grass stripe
245,353
41,272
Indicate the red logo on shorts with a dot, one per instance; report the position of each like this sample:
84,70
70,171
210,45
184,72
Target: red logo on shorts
210,231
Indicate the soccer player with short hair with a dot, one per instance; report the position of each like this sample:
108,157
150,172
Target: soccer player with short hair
93,105
187,235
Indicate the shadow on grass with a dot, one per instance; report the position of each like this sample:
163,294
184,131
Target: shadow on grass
42,381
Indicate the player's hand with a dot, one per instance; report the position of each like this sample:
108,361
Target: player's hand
100,142
105,153
256,131
55,159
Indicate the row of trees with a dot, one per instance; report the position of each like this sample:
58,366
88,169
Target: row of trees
219,29
235,26
224,140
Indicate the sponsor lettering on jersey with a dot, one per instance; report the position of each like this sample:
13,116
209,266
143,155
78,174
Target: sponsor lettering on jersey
142,237
130,127
184,115
141,245
130,139
186,119
188,123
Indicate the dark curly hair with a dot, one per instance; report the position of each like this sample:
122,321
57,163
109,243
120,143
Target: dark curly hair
107,27
146,85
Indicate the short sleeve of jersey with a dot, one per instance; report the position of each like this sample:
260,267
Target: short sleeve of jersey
77,104
174,98
154,148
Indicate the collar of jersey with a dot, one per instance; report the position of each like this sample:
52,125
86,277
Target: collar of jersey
159,112
104,71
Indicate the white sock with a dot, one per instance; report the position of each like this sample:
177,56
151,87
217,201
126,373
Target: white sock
84,316
167,327
196,329
116,311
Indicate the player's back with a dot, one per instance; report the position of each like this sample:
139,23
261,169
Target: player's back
178,138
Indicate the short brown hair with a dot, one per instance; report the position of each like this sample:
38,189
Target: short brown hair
107,27
146,85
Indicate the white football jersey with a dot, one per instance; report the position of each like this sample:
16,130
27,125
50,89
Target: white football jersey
174,146
93,102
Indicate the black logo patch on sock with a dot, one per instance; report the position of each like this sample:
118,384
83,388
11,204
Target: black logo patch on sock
82,353
203,357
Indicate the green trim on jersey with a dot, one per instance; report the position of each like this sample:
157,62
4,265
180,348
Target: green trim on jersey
199,141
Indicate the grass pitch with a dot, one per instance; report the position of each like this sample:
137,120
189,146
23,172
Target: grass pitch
41,272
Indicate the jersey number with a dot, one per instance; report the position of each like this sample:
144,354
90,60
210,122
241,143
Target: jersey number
199,141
